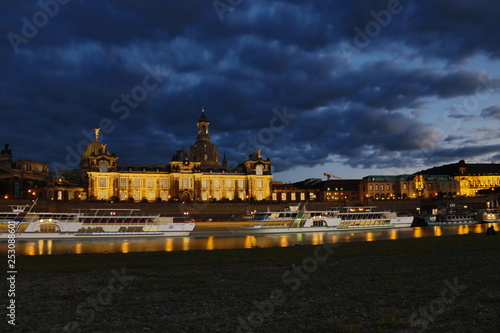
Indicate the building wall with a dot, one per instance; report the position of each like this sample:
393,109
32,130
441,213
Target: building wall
153,186
470,184
409,187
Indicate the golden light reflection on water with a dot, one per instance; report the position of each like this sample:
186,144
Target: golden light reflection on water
128,245
317,238
478,228
169,245
334,239
284,241
78,248
210,243
463,229
418,232
250,242
125,247
185,243
29,249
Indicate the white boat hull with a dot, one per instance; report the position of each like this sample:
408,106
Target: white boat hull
403,222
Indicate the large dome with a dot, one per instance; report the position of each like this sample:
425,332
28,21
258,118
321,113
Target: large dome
95,148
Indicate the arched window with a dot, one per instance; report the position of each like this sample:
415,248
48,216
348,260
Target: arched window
103,166
258,170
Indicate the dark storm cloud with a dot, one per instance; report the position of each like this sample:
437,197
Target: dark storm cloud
492,112
263,56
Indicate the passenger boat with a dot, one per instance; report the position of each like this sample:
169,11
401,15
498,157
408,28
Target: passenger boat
90,223
491,215
452,215
294,220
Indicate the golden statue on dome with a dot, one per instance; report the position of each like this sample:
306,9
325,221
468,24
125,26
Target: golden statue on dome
97,130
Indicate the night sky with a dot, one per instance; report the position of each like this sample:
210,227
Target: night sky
350,88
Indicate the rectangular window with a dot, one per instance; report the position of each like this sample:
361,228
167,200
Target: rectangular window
123,195
229,183
216,183
293,198
164,183
137,183
103,182
241,183
371,187
259,183
151,183
302,196
186,182
204,183
151,196
123,182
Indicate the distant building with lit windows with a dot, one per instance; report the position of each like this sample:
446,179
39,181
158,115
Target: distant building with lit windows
474,178
21,178
415,186
192,174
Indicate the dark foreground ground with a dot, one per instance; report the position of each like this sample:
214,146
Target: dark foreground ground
441,284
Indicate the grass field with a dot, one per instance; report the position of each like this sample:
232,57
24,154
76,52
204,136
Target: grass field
438,284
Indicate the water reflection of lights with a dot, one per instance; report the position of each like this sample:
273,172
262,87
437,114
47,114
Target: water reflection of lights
478,228
334,239
284,241
169,245
29,249
185,243
299,238
250,242
463,229
78,248
49,246
317,238
125,247
210,243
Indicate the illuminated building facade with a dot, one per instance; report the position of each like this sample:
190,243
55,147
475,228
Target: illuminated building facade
415,186
21,178
192,174
474,178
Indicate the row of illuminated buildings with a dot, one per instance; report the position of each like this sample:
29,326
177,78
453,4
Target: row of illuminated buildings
198,174
447,181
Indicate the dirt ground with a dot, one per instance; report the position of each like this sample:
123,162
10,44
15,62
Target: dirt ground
439,284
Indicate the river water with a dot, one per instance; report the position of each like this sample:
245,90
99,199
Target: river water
217,239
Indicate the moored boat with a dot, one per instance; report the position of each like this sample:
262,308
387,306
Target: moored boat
491,215
295,220
452,215
91,223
